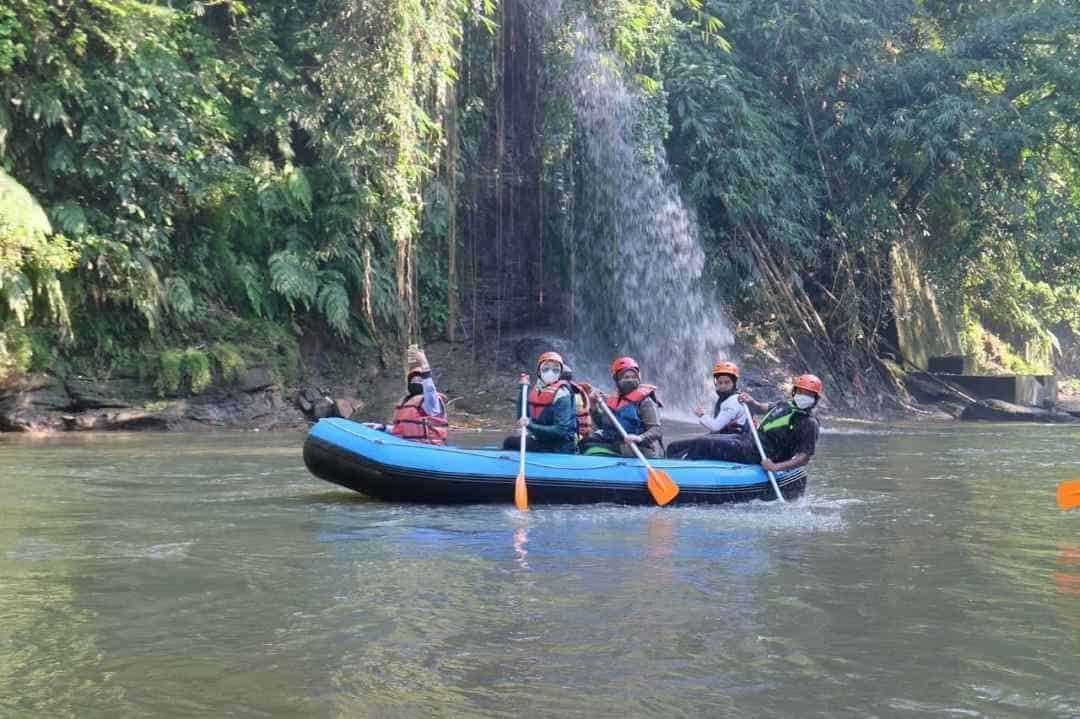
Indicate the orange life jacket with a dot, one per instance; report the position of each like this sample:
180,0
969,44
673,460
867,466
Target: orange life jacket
625,407
618,401
584,410
412,422
540,398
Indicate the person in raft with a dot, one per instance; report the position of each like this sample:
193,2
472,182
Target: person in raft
788,431
582,404
550,420
421,413
728,416
637,408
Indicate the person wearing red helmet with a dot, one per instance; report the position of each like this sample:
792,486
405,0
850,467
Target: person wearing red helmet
551,423
788,431
728,417
637,408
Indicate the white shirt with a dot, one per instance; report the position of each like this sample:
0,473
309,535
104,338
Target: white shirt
731,410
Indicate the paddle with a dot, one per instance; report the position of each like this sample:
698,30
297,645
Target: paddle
521,494
761,450
1068,494
660,484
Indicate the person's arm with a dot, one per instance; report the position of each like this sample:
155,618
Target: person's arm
753,403
649,414
798,460
432,405
565,425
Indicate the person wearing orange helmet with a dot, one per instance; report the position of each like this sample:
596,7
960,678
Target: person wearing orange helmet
637,408
729,415
551,422
788,431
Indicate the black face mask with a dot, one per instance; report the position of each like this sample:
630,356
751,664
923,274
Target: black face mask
628,385
415,388
725,395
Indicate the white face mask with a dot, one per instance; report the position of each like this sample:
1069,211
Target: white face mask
804,401
550,373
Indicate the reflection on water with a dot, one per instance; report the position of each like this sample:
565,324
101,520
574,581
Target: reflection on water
926,571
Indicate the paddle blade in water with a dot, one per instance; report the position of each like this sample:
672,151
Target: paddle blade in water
1068,494
521,494
662,486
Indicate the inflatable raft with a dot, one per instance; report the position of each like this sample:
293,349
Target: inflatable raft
383,466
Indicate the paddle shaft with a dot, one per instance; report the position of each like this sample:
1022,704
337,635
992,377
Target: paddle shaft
521,492
524,430
761,451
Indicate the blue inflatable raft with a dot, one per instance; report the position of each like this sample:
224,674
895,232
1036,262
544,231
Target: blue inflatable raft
383,466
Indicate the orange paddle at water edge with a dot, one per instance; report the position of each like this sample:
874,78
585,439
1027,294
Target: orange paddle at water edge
1068,494
521,494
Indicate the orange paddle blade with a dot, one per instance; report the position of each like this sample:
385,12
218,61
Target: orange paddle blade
1068,494
661,486
521,494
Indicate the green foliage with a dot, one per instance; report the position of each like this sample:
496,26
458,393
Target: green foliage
223,174
230,362
170,373
196,367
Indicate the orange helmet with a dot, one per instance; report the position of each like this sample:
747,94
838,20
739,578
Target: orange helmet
550,357
726,368
808,382
621,364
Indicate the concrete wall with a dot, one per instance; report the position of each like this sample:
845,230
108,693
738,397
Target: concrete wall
923,328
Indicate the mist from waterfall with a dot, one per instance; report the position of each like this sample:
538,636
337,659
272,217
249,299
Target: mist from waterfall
638,258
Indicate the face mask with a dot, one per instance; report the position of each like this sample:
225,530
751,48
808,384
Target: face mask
415,388
628,385
804,401
548,376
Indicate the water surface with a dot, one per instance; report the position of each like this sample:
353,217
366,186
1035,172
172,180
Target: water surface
926,573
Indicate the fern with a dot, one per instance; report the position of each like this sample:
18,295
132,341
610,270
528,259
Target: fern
292,278
18,294
178,297
333,303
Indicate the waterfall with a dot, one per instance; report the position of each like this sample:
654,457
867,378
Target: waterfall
638,257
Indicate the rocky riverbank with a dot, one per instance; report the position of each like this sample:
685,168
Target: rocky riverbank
481,387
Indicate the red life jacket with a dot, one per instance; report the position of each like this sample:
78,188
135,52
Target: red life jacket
616,402
540,398
625,407
412,422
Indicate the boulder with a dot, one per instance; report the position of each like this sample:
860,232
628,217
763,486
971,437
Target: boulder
347,407
256,378
323,408
104,394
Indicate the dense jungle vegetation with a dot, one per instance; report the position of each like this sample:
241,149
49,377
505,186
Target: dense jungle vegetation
189,187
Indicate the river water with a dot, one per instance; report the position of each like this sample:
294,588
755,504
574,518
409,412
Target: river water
927,572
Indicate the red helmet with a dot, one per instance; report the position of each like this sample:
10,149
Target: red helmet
808,382
726,368
621,364
549,357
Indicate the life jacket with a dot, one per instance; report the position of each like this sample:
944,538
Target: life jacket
781,418
583,409
542,398
625,407
412,422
